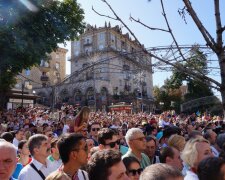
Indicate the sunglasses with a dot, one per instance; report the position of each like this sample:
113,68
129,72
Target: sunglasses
113,144
95,129
133,172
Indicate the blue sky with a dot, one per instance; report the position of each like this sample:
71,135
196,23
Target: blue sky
150,13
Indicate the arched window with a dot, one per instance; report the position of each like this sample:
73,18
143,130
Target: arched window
77,95
64,94
90,94
103,94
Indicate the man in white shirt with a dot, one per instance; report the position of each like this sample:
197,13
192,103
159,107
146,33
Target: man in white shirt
40,167
18,137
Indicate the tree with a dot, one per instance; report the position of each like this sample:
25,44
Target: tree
28,31
167,98
215,44
196,88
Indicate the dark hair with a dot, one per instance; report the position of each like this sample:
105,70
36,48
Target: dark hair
169,131
160,171
67,143
100,163
210,168
18,130
129,160
7,136
35,142
105,134
194,134
150,138
166,152
94,123
21,144
207,133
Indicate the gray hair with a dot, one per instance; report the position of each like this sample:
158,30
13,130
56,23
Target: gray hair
131,133
160,171
35,142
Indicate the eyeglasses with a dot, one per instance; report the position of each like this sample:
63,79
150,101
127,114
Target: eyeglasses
95,129
113,144
140,139
133,172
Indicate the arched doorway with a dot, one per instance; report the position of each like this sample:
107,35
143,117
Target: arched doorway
77,97
64,95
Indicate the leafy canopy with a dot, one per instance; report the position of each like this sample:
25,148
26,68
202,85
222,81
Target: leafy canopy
29,31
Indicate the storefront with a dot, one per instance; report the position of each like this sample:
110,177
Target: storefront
17,99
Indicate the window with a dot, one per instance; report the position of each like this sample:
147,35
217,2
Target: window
120,82
101,46
57,66
112,38
76,53
87,40
101,36
27,72
77,43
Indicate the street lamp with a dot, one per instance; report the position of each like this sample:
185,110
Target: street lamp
24,85
139,79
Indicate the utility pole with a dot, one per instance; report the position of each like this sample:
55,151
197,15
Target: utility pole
93,70
53,98
22,93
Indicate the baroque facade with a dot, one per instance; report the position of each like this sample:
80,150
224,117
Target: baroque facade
107,67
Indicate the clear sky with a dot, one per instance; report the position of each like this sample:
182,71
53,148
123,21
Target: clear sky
150,13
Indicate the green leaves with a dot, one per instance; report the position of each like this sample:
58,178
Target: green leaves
27,36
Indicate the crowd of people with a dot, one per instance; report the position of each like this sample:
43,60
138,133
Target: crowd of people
74,143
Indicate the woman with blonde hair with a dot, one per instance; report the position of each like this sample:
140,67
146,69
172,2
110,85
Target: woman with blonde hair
81,120
194,152
177,142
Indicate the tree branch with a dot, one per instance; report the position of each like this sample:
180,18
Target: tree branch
208,38
151,28
103,14
218,25
188,71
175,65
170,30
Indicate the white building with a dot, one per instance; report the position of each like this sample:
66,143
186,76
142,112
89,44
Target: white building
107,67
